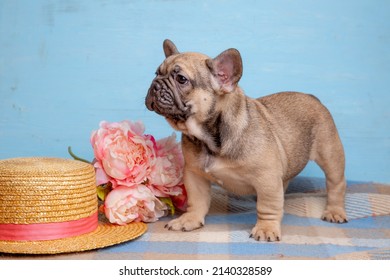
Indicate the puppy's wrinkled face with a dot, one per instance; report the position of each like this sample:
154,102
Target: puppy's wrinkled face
191,84
182,84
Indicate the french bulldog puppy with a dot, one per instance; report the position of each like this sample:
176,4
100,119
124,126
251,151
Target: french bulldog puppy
245,145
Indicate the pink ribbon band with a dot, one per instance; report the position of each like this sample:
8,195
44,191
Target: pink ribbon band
48,231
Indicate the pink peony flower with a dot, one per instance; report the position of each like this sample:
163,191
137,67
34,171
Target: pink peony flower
139,171
124,205
167,172
124,155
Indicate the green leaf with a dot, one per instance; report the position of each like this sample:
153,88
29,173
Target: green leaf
168,202
102,191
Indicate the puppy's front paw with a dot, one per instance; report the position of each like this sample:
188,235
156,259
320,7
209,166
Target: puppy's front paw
186,222
266,231
334,215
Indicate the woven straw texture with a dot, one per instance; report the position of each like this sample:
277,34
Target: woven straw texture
43,190
52,190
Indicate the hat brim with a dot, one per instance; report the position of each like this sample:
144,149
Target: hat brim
104,235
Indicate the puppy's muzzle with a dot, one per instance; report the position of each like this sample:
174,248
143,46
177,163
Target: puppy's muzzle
164,99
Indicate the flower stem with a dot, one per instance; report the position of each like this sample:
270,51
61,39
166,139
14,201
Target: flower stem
76,157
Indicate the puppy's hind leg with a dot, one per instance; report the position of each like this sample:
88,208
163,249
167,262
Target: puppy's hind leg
330,157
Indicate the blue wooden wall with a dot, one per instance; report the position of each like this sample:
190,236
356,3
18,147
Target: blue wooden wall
67,65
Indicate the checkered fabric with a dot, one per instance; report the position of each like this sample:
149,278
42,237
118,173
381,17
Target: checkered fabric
304,234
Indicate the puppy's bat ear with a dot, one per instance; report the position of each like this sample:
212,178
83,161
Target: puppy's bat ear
169,48
227,69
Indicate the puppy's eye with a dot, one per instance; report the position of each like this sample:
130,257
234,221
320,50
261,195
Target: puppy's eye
181,79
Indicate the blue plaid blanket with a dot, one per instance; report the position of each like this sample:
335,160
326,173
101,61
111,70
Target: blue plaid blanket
304,234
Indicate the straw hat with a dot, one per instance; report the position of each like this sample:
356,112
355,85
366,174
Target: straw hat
49,206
